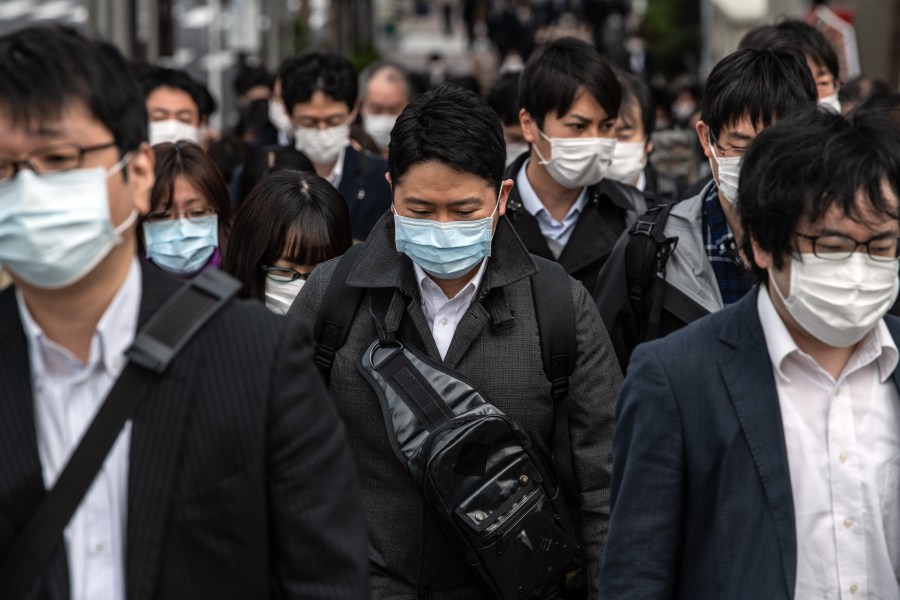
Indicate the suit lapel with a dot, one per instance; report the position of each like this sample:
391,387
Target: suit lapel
747,372
592,239
157,437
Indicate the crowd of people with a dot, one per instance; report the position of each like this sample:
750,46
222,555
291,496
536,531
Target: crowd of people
469,345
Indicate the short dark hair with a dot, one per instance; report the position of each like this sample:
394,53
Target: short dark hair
45,69
799,35
249,77
761,85
153,77
290,213
556,72
189,159
452,126
265,161
636,92
808,163
504,98
330,73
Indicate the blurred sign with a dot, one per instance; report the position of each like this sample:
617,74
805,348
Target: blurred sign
750,12
842,36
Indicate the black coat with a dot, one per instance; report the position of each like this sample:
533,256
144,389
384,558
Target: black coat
365,190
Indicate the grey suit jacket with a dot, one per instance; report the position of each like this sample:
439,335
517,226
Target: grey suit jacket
702,501
240,482
496,344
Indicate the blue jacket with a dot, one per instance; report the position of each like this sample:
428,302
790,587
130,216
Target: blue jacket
701,494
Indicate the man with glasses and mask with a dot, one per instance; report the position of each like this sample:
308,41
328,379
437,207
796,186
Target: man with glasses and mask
757,451
460,279
319,91
233,476
702,272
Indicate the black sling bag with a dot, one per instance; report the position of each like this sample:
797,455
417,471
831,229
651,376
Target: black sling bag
167,331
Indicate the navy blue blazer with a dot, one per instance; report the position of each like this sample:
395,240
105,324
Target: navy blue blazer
364,188
701,494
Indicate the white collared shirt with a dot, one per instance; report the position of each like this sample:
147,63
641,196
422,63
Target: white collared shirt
67,395
337,171
556,232
843,449
442,313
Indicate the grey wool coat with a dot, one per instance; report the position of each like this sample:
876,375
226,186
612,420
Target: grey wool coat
410,555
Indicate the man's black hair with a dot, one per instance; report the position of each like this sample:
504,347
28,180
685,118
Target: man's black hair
330,73
153,77
557,72
46,69
808,163
249,77
206,103
799,35
635,91
504,98
452,126
761,85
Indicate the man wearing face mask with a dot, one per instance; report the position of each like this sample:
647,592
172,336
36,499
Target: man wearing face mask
563,206
463,296
173,104
757,450
702,272
319,92
233,476
386,90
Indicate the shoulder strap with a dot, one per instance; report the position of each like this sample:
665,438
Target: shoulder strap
154,347
336,312
554,307
646,253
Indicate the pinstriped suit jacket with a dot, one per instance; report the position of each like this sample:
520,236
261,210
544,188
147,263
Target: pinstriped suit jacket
241,483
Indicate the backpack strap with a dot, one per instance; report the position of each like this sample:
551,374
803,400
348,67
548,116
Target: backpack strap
167,331
554,307
646,253
336,312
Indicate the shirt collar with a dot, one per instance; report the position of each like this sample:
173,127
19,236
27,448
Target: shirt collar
533,204
424,280
337,171
114,334
878,345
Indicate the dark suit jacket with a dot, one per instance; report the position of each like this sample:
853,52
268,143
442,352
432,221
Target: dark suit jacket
240,481
496,345
702,502
609,210
365,190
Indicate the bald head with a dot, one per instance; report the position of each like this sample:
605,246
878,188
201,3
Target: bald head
386,91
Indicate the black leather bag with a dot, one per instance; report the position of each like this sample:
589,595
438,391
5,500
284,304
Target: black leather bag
501,507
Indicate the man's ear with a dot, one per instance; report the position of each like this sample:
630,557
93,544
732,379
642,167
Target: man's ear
505,188
354,111
529,127
703,135
141,176
760,258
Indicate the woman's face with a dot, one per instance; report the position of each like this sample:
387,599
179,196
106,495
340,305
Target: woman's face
186,199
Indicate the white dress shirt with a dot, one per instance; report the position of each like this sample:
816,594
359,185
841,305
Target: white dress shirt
556,232
67,395
843,449
337,171
443,313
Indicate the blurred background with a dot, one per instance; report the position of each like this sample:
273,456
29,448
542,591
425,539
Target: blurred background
671,43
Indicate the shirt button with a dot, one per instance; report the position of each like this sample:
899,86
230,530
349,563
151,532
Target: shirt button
843,457
98,548
444,321
848,522
837,392
854,588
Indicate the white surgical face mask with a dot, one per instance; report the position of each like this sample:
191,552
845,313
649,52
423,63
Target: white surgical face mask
182,246
839,302
729,173
280,295
322,146
578,162
831,103
279,118
55,228
514,150
173,131
379,128
629,159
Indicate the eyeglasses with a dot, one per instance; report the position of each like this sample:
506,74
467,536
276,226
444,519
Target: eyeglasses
52,159
171,215
735,151
841,247
283,275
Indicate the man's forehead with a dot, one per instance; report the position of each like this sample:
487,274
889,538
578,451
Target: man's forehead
72,120
866,215
741,128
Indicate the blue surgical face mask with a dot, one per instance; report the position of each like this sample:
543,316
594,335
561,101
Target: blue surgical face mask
182,246
445,250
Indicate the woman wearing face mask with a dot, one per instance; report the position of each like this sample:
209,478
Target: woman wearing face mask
187,227
289,223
